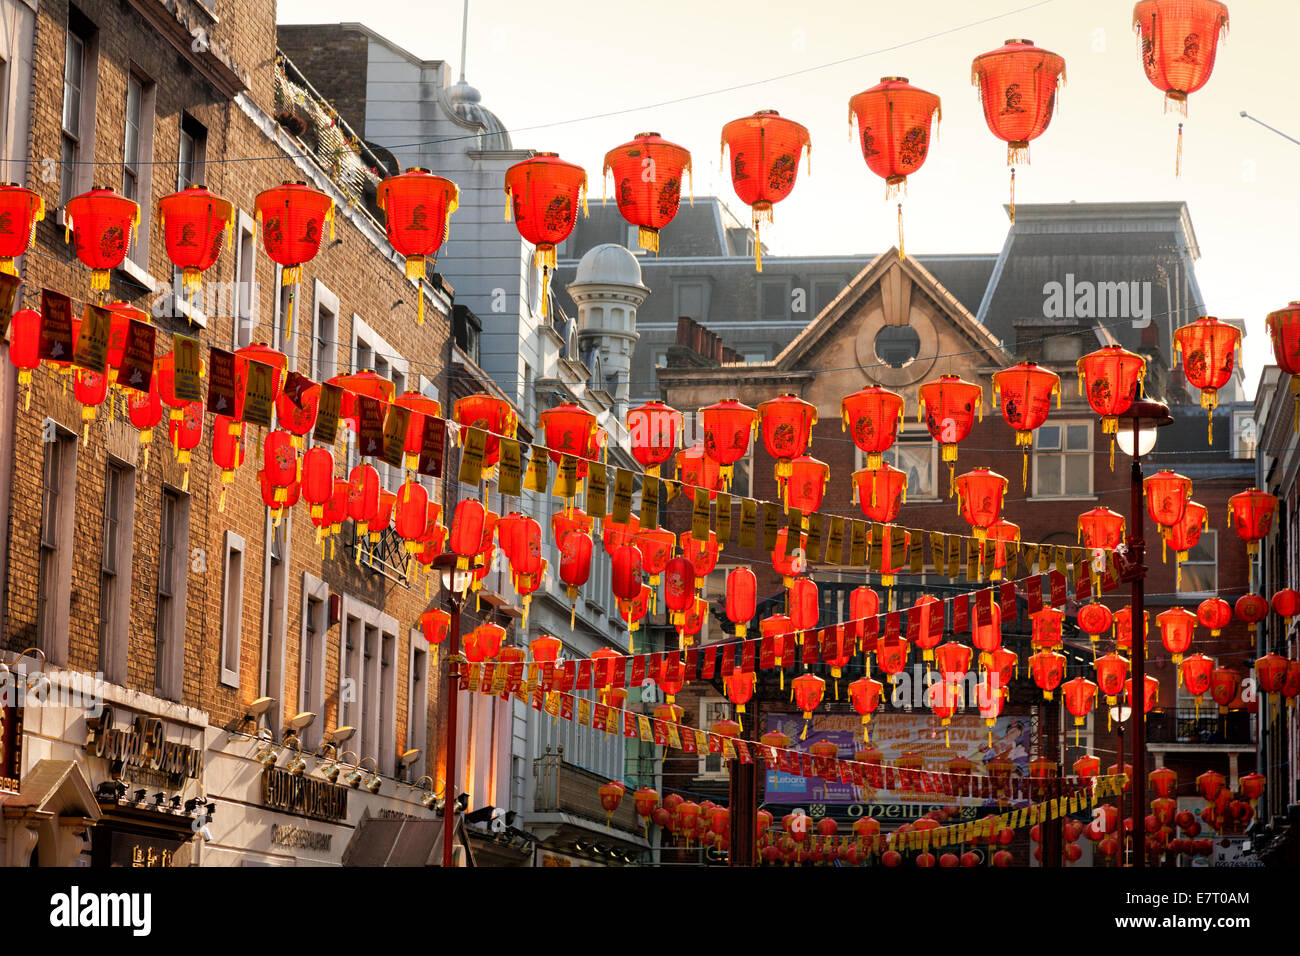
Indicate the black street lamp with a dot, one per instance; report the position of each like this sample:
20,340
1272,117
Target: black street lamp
1136,437
455,584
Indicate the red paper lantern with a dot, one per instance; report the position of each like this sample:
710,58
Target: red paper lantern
544,191
103,225
1110,378
185,432
1026,392
1284,331
293,218
1179,40
633,609
1167,495
1286,603
864,605
1048,670
652,430
698,470
1251,515
881,492
421,409
417,209
679,587
987,637
1124,627
765,150
25,350
466,537
979,498
742,593
1208,346
873,416
627,567
1094,620
1225,684
864,694
1196,672
786,423
363,498
20,210
1087,767
1177,628
318,482
949,406
1271,672
90,389
727,426
1183,535
1214,613
740,688
1002,533
280,464
648,183
483,643
804,609
1251,609
1112,672
1101,529
1150,694
703,555
569,429
894,131
927,608
435,625
520,537
891,656
1048,628
806,484
493,415
808,692
410,515
657,546
1080,694
297,415
195,224
1018,83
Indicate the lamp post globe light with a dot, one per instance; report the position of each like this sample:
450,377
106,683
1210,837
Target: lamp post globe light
455,584
1136,437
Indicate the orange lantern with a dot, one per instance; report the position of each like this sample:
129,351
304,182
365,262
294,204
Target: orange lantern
1208,348
806,484
1026,392
1048,669
293,218
657,546
1225,684
1018,83
698,470
1167,494
1002,533
1124,627
1094,620
894,131
1177,628
881,492
786,424
803,604
808,692
1284,331
979,498
611,795
1250,513
102,225
727,427
648,183
652,429
703,555
492,415
544,191
1150,692
417,209
194,223
1214,613
1112,671
1080,694
1196,672
949,406
1183,535
1111,378
873,416
1271,672
20,210
864,694
929,612
765,150
742,592
740,688
1101,529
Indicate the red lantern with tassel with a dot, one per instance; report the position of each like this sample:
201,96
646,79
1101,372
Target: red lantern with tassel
881,492
1110,379
786,423
1250,609
1184,534
765,150
1167,494
293,218
1150,692
1214,613
652,429
1225,685
20,210
949,406
1208,347
227,451
545,192
979,498
657,546
410,514
703,555
25,352
1251,515
864,694
1018,83
806,484
929,612
648,183
1080,695
195,226
492,415
1094,620
627,566
1196,672
1026,392
698,470
1284,331
740,688
1048,670
280,468
803,604
1178,40
873,416
893,119
1177,628
1101,529
417,209
679,587
568,429
1112,672
808,692
727,426
102,224
1286,603
742,593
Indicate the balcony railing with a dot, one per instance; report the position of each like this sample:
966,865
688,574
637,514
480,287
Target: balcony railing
1185,725
564,788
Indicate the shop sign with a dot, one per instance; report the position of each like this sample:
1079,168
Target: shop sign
11,748
304,796
141,747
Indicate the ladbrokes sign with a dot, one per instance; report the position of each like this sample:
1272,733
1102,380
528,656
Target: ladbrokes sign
142,746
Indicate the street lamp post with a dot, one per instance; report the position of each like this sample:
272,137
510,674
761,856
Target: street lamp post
1119,715
455,583
1136,437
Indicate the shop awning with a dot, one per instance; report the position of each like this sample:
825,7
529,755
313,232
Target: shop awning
380,841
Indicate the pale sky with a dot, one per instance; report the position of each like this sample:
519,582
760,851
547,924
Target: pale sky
543,62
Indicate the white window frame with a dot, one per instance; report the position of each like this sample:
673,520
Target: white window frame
169,664
386,361
417,702
56,596
81,141
245,295
232,612
115,629
1064,425
1207,535
703,771
143,171
275,615
376,734
313,590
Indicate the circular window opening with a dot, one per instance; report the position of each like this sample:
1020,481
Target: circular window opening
897,345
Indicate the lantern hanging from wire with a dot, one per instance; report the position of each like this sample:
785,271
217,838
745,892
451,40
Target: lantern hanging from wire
1167,494
196,225
786,423
1048,670
1150,693
929,613
1251,609
765,150
652,430
1124,627
545,192
20,210
1094,619
1018,84
742,591
1177,629
1284,331
806,484
873,417
1208,347
893,120
698,470
881,492
808,692
103,226
727,427
1026,391
1080,694
1178,41
293,218
1112,671
949,406
647,183
1196,673
979,498
417,207
491,415
864,694
1250,513
1111,378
